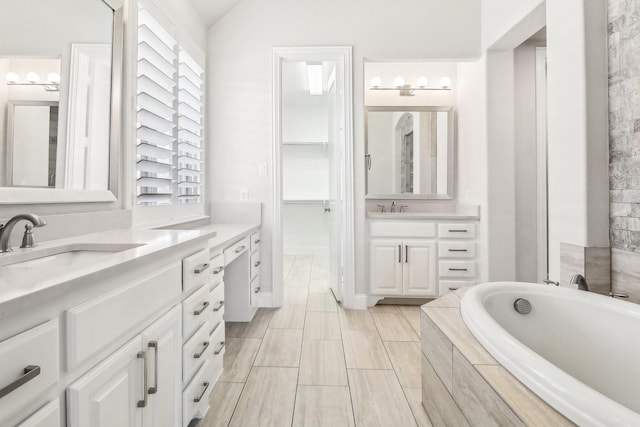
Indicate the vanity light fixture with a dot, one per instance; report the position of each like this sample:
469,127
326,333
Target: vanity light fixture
314,76
33,79
408,90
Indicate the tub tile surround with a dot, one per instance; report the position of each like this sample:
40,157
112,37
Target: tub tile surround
624,137
463,385
591,262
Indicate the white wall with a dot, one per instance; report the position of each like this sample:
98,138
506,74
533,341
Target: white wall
500,16
240,80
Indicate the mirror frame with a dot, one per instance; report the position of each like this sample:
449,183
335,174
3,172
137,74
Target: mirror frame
450,153
32,195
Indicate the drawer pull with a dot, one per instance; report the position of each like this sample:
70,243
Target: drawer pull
457,250
200,269
256,241
204,390
204,307
256,290
145,370
451,288
458,269
257,264
240,249
220,349
459,231
399,253
29,373
218,270
406,254
154,346
204,348
220,305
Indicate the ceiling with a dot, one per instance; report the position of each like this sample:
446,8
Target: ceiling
212,10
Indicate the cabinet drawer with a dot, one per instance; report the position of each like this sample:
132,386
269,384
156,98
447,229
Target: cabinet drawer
255,265
255,241
446,286
457,249
29,367
217,268
216,297
195,269
402,229
92,326
235,250
195,311
217,340
195,398
457,230
462,269
195,351
255,288
47,416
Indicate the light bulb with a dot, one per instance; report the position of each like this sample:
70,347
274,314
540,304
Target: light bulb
53,77
445,82
422,82
12,77
398,81
33,77
376,82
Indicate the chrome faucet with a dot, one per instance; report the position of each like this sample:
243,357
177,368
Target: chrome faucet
578,279
28,240
393,206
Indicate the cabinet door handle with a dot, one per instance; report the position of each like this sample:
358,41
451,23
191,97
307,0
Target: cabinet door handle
219,349
458,269
145,373
257,290
457,250
240,249
200,269
406,254
220,305
204,307
458,231
154,346
204,348
257,264
204,390
218,270
29,373
399,253
256,241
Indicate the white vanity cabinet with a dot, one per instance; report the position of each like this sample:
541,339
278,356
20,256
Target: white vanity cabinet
138,385
47,416
457,253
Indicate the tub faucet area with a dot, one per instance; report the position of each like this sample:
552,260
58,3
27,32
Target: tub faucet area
578,279
28,241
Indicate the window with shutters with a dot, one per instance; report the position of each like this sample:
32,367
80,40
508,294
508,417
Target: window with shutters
170,107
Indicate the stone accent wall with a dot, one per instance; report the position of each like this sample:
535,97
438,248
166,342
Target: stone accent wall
624,145
624,123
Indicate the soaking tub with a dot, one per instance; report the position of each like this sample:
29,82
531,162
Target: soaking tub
578,351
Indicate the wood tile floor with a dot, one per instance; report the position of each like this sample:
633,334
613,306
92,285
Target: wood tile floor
313,363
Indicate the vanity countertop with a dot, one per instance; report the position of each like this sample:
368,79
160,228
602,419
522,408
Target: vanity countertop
21,285
422,215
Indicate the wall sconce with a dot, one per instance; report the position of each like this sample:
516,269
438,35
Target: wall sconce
409,90
33,79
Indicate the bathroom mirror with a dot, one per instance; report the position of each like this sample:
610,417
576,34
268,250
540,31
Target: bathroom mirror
409,152
60,101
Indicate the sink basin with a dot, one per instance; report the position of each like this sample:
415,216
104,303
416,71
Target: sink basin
50,261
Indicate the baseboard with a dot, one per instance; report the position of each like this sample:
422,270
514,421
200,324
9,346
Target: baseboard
265,299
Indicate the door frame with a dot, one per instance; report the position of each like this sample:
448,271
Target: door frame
344,55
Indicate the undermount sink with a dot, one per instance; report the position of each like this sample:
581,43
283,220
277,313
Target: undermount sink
52,260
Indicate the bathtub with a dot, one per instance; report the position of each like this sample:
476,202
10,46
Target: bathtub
578,351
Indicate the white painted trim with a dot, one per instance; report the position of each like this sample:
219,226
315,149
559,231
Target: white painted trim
360,302
541,146
321,53
18,196
265,300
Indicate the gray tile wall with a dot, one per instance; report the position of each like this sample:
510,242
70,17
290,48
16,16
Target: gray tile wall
624,135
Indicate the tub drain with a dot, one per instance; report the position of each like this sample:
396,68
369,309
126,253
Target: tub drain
522,306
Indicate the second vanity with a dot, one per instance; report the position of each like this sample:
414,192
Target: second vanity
125,332
420,252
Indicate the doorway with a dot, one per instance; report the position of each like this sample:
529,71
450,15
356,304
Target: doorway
312,158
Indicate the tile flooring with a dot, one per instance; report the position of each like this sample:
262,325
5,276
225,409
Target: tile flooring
312,363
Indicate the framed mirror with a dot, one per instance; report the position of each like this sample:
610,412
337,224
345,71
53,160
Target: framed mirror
409,152
60,101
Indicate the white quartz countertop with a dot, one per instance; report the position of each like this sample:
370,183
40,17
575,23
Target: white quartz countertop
18,283
422,215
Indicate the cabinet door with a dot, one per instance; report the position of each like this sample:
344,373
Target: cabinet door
419,268
108,395
163,343
385,260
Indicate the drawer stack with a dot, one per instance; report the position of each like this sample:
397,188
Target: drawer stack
255,268
197,370
216,315
457,253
